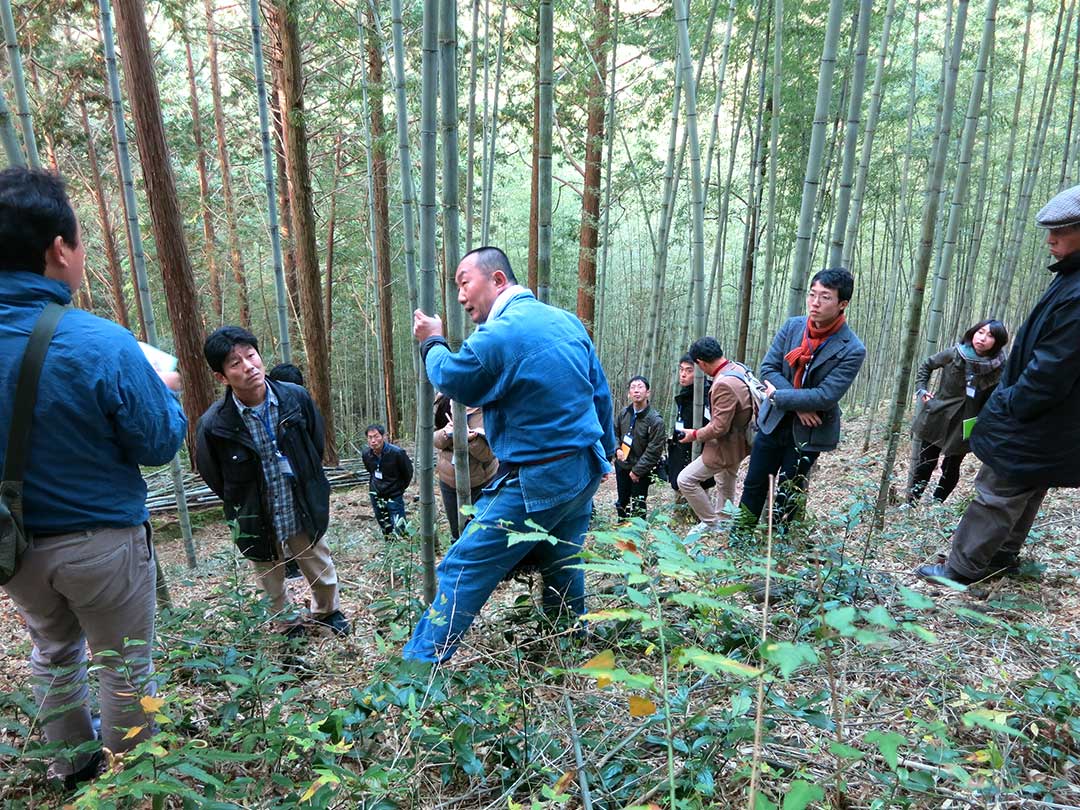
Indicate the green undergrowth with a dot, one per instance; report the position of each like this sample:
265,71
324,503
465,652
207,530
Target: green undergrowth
853,689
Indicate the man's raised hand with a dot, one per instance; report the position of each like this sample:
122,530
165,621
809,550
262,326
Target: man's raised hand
424,326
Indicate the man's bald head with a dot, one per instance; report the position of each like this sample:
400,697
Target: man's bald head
489,259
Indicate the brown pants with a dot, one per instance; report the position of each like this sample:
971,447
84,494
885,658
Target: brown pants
995,524
318,569
96,587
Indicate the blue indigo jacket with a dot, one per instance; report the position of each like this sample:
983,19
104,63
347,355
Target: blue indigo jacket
101,412
546,401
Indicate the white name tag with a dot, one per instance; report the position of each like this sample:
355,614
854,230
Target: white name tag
378,474
971,390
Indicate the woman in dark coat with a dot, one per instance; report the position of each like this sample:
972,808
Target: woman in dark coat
970,371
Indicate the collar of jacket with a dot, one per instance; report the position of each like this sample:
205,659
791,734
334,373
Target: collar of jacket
1070,264
230,424
27,286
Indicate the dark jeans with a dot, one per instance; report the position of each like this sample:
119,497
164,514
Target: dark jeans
389,512
928,459
775,454
632,495
450,504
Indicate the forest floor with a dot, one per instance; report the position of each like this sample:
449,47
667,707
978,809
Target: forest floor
879,690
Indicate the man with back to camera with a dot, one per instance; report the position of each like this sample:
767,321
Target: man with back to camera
260,450
390,471
548,414
640,429
88,575
809,367
1028,434
724,439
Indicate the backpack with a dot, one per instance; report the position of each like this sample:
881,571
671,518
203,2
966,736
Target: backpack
14,538
756,388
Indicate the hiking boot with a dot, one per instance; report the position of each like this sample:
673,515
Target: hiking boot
1005,566
336,621
91,770
942,571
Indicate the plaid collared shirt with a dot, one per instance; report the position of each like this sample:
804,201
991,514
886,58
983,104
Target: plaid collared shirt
278,485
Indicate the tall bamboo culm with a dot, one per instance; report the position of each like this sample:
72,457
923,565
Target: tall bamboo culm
425,459
922,266
801,261
139,260
960,184
455,314
543,244
22,101
270,185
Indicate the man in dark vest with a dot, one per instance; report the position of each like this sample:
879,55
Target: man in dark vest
1028,433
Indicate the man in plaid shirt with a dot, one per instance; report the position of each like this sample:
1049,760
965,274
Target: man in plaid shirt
260,449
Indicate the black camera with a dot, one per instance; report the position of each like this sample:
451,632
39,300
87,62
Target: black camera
680,435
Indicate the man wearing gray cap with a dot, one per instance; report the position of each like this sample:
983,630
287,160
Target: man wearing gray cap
1028,434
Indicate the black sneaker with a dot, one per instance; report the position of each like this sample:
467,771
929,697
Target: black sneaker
91,770
336,621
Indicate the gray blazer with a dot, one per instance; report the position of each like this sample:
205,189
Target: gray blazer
825,381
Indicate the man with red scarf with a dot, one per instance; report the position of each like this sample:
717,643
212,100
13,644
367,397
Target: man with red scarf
809,367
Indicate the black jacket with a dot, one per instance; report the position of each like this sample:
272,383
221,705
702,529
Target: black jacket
228,462
684,408
647,445
396,469
1029,430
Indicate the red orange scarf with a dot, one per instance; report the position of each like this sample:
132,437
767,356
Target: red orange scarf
799,357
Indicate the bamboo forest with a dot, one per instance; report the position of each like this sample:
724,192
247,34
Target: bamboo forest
627,341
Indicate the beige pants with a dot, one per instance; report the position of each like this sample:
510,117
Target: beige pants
318,569
690,480
95,587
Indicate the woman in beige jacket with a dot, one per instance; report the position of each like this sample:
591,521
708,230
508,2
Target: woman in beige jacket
482,462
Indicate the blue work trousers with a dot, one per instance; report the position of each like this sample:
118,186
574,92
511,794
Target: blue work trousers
482,558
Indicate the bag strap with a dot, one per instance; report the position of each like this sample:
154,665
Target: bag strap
26,390
739,372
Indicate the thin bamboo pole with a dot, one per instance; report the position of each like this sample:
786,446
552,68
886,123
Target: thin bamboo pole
811,181
22,101
139,260
270,184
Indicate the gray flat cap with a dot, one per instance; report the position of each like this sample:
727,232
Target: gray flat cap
1061,211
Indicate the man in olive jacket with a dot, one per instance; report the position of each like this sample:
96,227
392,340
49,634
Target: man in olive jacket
259,448
1028,434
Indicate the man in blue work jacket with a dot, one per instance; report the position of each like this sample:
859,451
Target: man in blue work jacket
102,410
548,415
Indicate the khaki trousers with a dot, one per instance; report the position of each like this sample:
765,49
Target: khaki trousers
97,587
690,480
318,569
995,524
